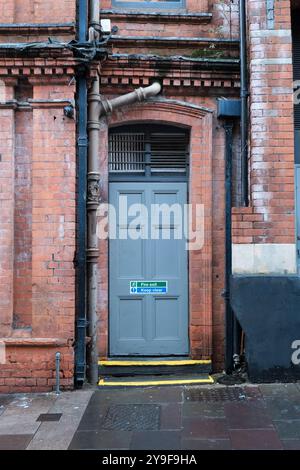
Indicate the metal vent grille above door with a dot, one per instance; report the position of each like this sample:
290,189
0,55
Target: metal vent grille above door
168,152
127,152
155,150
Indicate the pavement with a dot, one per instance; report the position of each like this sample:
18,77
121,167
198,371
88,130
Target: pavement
215,417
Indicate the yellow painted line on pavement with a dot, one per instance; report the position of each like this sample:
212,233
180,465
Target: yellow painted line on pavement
103,383
184,362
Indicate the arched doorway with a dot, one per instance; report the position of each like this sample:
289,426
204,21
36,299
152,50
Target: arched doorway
148,260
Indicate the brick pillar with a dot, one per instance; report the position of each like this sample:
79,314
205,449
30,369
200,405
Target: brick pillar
53,214
264,233
6,210
22,220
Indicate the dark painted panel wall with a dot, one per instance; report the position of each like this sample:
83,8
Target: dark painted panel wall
268,309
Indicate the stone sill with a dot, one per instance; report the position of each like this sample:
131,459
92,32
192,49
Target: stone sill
160,17
36,342
31,28
139,41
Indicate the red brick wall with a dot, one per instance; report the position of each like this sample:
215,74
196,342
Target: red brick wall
37,204
37,181
224,23
38,239
270,219
37,11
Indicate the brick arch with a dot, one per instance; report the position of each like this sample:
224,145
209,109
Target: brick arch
199,120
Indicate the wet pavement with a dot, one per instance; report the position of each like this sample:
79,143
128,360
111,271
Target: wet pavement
167,418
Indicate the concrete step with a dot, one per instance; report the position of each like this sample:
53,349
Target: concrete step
131,367
156,381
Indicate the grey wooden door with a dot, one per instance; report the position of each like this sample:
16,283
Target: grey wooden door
149,322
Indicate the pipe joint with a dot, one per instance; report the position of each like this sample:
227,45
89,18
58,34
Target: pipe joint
106,107
141,94
93,125
94,97
92,255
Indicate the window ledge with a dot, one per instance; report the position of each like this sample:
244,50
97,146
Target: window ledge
160,17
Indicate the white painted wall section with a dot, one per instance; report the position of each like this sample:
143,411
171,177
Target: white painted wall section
268,258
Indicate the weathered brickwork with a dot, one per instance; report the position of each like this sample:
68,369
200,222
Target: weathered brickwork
37,182
194,53
270,218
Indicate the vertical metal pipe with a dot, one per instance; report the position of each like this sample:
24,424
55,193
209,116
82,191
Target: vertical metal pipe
94,13
80,259
57,369
82,20
82,144
229,316
244,102
93,199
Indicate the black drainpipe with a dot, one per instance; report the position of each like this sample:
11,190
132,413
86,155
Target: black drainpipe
244,102
229,110
82,146
229,316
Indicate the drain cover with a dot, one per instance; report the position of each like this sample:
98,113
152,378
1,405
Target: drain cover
217,394
49,417
132,418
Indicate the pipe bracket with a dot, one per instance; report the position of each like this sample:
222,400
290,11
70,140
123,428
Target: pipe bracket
93,189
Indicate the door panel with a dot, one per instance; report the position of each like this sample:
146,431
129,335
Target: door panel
154,323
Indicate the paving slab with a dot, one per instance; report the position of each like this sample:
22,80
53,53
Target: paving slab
170,416
58,435
205,428
15,441
93,418
99,440
203,410
206,444
138,395
291,444
18,424
289,390
288,429
5,400
30,404
283,408
255,439
248,415
156,440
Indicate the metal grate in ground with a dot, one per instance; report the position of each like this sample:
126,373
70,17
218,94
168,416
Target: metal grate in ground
132,418
216,394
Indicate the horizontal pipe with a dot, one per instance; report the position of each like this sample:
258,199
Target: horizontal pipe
139,95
